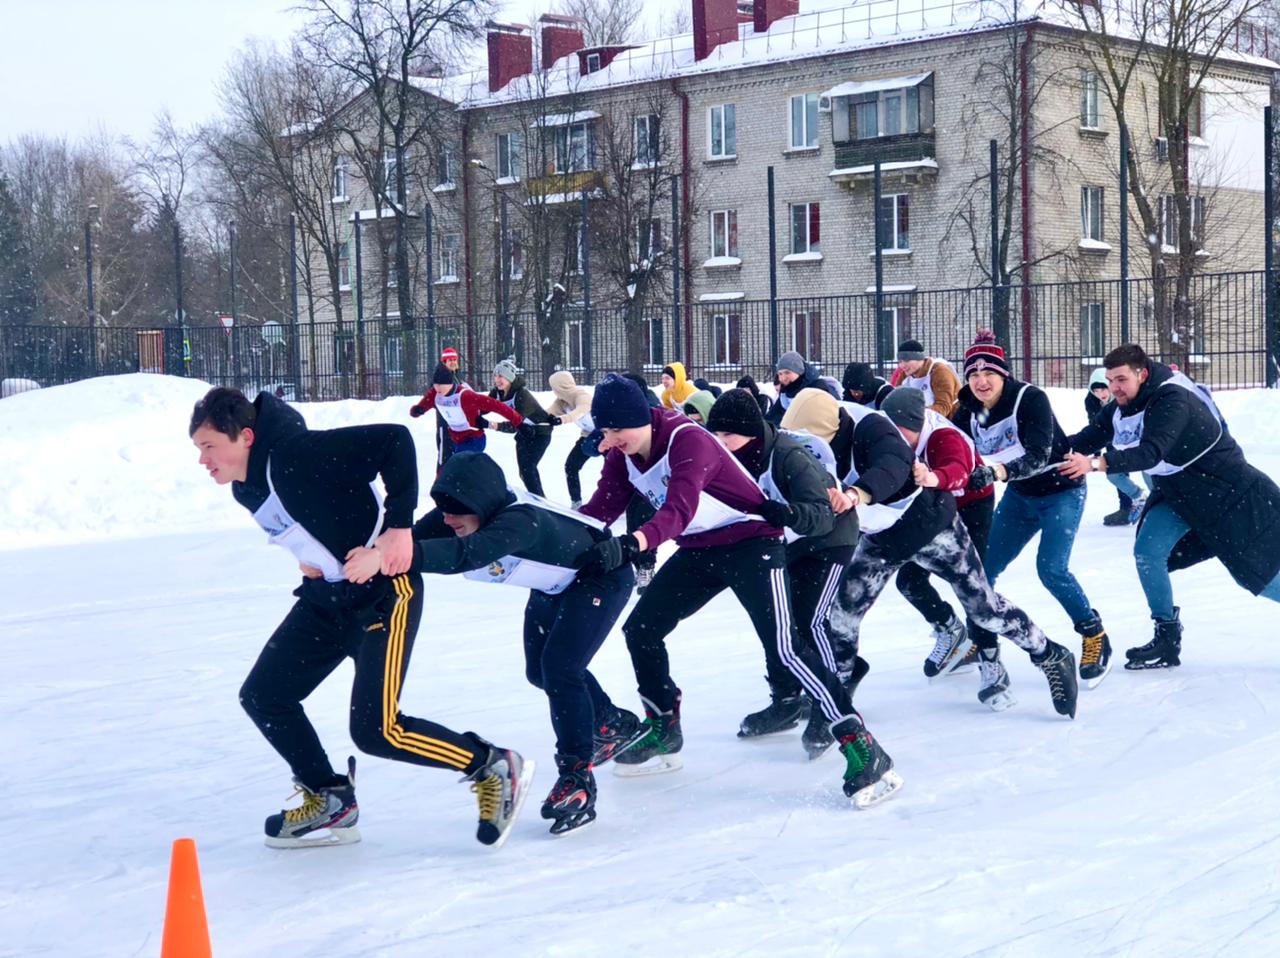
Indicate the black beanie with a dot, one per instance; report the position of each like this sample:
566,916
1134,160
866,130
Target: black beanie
618,403
749,384
911,350
443,376
859,377
736,412
905,408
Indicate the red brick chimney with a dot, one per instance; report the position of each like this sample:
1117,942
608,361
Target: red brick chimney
769,11
510,53
714,22
560,37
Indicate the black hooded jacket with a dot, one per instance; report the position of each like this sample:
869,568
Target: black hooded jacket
860,377
811,379
519,398
323,477
1232,508
507,527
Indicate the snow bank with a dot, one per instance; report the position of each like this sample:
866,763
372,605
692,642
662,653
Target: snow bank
110,457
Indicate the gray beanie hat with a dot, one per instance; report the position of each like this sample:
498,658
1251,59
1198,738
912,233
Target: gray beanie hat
905,408
507,369
792,361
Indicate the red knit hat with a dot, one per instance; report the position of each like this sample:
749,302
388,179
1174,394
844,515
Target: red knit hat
985,353
448,353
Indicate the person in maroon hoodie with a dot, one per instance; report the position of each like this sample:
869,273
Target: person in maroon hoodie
464,411
710,505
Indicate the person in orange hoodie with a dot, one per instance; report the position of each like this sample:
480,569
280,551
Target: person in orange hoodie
676,387
937,380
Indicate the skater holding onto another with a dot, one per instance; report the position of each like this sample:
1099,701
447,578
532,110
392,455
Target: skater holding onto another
1018,436
444,437
1132,498
710,505
1208,500
532,439
462,410
573,404
863,386
313,493
933,377
795,374
484,531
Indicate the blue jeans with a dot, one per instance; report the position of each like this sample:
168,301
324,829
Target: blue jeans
1056,517
470,445
1126,485
1160,532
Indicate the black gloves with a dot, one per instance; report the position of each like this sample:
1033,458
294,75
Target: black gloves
982,477
528,429
555,421
415,411
605,556
777,514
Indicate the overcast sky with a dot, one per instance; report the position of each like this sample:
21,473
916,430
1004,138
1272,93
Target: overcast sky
72,67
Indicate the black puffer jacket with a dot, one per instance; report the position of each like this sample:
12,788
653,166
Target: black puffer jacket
811,379
519,398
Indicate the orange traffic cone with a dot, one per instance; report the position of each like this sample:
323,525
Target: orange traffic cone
186,930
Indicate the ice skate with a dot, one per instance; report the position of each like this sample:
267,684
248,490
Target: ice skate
1162,652
658,751
1095,651
994,681
951,650
781,714
326,816
1059,668
572,800
869,777
500,785
616,733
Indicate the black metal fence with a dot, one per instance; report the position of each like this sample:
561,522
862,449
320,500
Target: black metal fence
1056,334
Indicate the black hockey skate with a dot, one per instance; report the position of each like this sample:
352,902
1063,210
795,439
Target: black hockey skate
951,650
658,750
869,777
1163,651
782,713
1059,667
326,816
500,785
619,731
572,800
816,737
1095,651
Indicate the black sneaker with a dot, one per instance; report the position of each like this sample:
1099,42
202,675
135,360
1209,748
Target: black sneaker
868,776
1059,667
572,800
500,785
1118,518
619,731
1095,651
658,749
782,713
1163,651
326,816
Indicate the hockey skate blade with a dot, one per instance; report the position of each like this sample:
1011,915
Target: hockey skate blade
324,838
658,765
1137,665
522,792
562,827
877,792
1095,682
1001,701
816,752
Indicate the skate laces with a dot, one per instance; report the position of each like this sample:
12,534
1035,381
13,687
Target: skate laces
858,752
1091,654
488,792
990,671
942,644
312,805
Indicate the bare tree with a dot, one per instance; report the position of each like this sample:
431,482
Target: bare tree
606,22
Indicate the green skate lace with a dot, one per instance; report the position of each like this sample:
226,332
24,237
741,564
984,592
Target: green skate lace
311,806
856,750
488,792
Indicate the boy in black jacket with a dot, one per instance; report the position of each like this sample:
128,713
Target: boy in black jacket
487,533
312,493
1132,499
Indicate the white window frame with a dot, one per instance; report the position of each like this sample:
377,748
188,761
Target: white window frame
568,147
722,335
509,156
593,62
895,315
811,245
450,255
646,134
515,253
1092,212
726,123
654,225
340,180
390,345
1168,223
446,168
573,334
389,175
724,233
919,95
808,345
1093,331
897,239
344,265
1198,212
804,108
391,263
1089,86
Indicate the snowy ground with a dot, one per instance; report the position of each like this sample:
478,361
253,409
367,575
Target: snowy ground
136,597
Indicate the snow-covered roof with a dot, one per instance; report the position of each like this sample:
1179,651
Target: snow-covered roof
565,119
855,87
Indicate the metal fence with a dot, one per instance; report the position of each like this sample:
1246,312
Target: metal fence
1056,334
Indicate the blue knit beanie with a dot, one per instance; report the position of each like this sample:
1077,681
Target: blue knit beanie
618,403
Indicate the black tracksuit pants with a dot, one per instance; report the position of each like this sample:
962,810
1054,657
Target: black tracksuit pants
913,581
573,464
756,571
375,625
529,452
444,443
814,580
562,633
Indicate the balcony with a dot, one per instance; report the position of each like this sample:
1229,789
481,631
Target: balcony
904,155
563,187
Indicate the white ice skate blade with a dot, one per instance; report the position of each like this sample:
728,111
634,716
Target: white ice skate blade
320,839
877,792
1001,701
1094,683
658,765
522,792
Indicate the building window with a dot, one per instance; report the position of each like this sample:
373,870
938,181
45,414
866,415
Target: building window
393,354
806,334
593,62
894,222
1197,220
653,342
723,139
1195,115
726,333
1091,213
446,167
804,121
340,178
573,248
886,112
390,176
1089,99
344,265
344,353
645,140
1091,332
509,156
572,148
575,354
515,253
648,238
806,234
895,326
450,245
390,262
724,233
